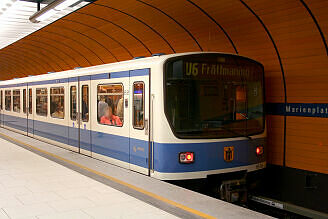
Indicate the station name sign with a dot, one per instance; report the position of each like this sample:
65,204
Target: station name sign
298,109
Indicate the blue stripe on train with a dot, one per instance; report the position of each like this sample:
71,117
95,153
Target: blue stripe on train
114,146
208,156
15,122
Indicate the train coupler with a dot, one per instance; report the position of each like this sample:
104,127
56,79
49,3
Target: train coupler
234,191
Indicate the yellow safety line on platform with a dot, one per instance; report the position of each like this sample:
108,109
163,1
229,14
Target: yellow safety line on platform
150,194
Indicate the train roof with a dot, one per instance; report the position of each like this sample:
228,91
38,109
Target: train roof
117,66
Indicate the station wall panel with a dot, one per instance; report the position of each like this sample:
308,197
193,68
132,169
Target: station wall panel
307,144
275,141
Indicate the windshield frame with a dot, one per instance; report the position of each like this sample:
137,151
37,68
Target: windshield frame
179,136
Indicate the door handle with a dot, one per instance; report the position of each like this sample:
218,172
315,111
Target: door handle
79,118
146,127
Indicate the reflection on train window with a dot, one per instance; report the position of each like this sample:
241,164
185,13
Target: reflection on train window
57,96
24,100
138,105
30,101
16,101
85,103
73,103
240,102
1,106
8,100
41,101
110,104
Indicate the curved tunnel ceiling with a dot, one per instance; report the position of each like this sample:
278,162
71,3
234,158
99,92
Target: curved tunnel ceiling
284,35
288,37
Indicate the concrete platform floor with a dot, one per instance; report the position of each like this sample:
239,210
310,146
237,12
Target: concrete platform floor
40,180
34,187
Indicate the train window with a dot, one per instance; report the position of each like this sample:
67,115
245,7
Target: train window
16,101
24,100
73,103
85,103
8,100
1,106
41,101
110,104
30,101
240,104
138,105
57,102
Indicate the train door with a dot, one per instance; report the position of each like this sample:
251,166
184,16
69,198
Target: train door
74,112
24,96
84,104
79,136
139,120
1,108
30,114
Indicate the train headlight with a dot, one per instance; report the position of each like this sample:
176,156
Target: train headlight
259,150
186,157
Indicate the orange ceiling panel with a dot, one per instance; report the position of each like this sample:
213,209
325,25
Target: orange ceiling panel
286,36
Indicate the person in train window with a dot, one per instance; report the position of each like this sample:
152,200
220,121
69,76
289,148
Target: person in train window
140,117
85,108
107,116
44,108
58,112
119,108
100,102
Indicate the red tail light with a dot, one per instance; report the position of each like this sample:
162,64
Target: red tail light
259,150
186,157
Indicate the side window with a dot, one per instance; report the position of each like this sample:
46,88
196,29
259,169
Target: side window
41,101
24,100
138,105
57,101
16,101
110,104
85,103
73,103
1,100
8,100
30,101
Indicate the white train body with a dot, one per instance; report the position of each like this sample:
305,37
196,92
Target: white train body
153,140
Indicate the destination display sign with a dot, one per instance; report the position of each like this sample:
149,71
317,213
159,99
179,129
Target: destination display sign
220,71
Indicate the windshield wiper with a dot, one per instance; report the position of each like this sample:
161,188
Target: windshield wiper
232,131
238,133
246,117
190,131
243,115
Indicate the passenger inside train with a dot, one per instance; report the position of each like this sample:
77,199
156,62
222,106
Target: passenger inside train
59,113
110,104
85,103
106,115
56,102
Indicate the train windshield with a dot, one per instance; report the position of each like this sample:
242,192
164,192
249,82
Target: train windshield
214,96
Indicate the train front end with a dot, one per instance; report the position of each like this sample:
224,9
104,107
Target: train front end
214,110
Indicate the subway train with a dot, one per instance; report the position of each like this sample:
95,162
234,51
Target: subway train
172,117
